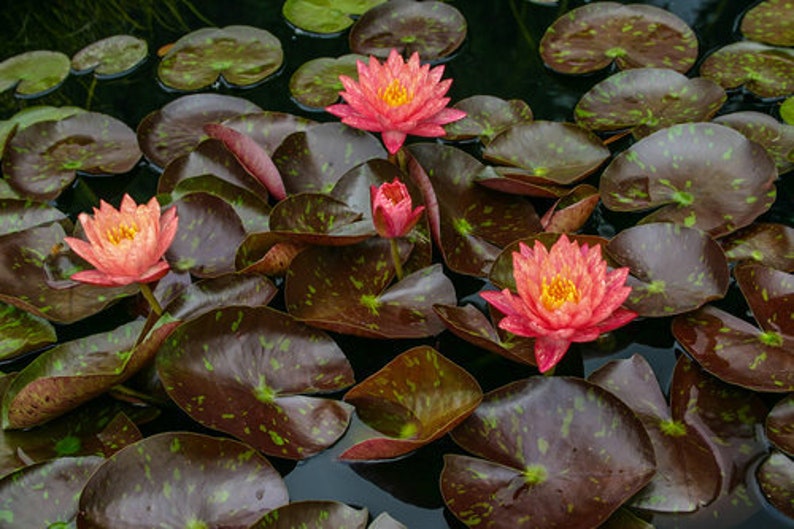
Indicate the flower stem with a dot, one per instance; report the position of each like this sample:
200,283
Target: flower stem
149,295
395,255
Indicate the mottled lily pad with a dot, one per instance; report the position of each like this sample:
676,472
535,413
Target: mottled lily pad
672,269
19,215
240,55
430,28
185,479
315,84
111,57
775,475
780,425
645,100
569,213
584,455
766,71
413,400
591,37
777,138
315,218
22,331
268,128
486,117
762,242
34,73
324,16
30,115
44,158
315,515
699,175
770,22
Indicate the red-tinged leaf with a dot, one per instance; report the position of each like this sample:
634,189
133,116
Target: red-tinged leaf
570,212
268,128
486,117
780,425
775,475
776,137
314,218
314,515
765,243
770,295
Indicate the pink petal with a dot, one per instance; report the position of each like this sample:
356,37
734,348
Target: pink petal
549,352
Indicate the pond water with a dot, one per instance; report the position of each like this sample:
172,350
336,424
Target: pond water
499,57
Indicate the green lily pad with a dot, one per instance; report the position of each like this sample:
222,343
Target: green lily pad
315,84
111,57
324,16
22,331
30,115
787,110
315,515
780,425
240,55
770,22
34,73
766,71
762,242
486,117
775,475
591,37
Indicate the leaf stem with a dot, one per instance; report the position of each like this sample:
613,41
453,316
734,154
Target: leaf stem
149,295
395,255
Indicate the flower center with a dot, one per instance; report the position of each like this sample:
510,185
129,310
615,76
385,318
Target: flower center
560,290
116,234
395,94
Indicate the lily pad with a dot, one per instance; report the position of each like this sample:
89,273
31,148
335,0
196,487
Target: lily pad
780,425
240,55
413,400
111,57
766,71
766,243
430,28
486,117
324,16
699,175
570,213
672,269
314,218
268,128
184,479
775,475
787,110
770,22
19,215
22,331
43,159
591,37
34,73
315,84
30,115
584,455
315,515
777,138
645,100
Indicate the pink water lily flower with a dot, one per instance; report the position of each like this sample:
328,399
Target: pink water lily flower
392,210
125,245
564,295
396,98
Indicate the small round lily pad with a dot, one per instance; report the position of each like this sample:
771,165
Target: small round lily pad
315,84
111,57
770,22
325,16
34,73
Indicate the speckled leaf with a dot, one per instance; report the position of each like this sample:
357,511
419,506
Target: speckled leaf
486,117
413,400
517,181
571,212
22,331
178,127
315,218
314,515
645,100
549,152
325,16
672,269
780,425
770,295
771,22
432,29
775,475
45,495
315,84
777,138
590,37
268,128
687,475
584,455
19,215
313,160
34,73
181,480
111,57
30,115
765,71
42,160
239,55
252,372
699,175
474,223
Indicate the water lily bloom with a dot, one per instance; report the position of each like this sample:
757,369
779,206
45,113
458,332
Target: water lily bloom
392,212
396,98
564,295
125,245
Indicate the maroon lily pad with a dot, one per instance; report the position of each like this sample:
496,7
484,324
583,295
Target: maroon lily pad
516,181
178,127
22,331
314,515
780,425
252,372
240,55
34,73
111,57
672,269
770,22
314,218
688,476
766,71
775,475
45,495
18,215
570,212
776,137
42,160
315,84
432,29
184,479
770,294
486,117
700,175
645,100
413,400
584,455
30,115
591,37
268,128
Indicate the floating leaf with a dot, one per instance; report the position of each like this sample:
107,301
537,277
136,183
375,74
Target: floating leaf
413,400
30,115
324,16
775,475
183,480
570,212
240,55
22,331
787,110
591,37
769,293
314,515
19,215
111,57
314,218
486,117
34,73
252,211
315,84
766,71
771,22
780,425
777,138
268,128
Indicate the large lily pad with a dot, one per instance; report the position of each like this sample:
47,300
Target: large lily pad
771,22
19,215
268,128
699,175
777,138
486,117
766,71
22,331
324,16
30,115
43,159
252,372
775,475
111,57
413,400
240,55
181,480
645,100
780,425
672,269
314,515
316,218
34,73
432,29
591,37
583,456
315,84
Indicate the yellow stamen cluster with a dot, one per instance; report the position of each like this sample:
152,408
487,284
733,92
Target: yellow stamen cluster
395,94
116,234
557,292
